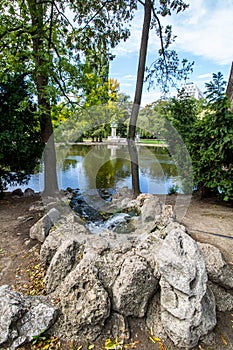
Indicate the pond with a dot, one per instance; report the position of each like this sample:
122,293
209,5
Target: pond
89,167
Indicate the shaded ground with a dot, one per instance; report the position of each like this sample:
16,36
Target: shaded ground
207,221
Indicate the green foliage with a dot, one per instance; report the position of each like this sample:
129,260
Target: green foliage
167,68
207,129
62,55
20,145
40,337
212,143
173,189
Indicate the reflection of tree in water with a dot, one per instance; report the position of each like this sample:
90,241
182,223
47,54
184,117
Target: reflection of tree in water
102,171
111,172
63,153
157,162
69,163
79,150
103,166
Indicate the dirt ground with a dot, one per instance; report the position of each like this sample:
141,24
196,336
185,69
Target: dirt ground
206,220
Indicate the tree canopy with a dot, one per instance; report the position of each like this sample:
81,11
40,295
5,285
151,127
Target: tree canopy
47,41
20,142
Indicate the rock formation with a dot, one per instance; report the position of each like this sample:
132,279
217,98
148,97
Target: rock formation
157,272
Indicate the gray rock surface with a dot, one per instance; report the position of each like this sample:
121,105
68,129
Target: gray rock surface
133,287
223,297
85,304
218,270
63,261
187,306
40,229
66,230
103,278
22,317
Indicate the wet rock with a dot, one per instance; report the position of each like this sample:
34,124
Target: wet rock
29,192
23,317
18,192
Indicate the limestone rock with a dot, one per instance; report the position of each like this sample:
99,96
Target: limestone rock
187,306
153,317
133,287
218,270
151,209
187,334
103,278
148,246
65,258
21,317
65,231
85,304
223,297
180,256
40,229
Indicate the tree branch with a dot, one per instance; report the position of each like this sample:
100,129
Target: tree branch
160,33
63,15
51,26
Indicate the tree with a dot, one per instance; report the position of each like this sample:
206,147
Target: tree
20,144
165,68
211,145
206,128
38,38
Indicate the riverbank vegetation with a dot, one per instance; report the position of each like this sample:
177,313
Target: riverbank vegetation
63,63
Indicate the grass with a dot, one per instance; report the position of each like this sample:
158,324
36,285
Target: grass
152,141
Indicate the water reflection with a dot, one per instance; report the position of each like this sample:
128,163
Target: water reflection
108,166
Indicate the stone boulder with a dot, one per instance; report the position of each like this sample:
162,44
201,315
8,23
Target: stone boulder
66,230
133,287
23,317
29,192
223,297
85,304
40,229
187,305
218,270
157,273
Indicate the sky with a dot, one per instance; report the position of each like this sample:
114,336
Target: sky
204,35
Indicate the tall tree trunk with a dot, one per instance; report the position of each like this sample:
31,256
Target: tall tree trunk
41,79
137,99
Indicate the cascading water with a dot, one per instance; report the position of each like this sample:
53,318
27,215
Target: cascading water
96,221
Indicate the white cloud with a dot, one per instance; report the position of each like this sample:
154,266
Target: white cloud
126,84
129,77
149,97
205,30
205,76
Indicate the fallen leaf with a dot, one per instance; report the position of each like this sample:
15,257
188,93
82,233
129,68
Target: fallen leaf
223,339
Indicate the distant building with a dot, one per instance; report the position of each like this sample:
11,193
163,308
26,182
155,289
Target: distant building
190,89
229,90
